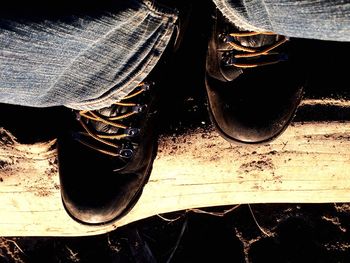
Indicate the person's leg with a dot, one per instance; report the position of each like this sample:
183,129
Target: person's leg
102,64
255,71
81,59
324,19
106,155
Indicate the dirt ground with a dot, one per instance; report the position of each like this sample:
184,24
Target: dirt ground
256,233
244,233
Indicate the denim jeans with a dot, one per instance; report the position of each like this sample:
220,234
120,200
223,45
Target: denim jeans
89,61
321,19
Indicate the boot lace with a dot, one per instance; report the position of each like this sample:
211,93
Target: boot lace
118,142
251,57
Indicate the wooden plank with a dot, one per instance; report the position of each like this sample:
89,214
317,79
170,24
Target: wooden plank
308,163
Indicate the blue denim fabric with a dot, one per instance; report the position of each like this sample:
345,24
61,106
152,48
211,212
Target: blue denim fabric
81,61
321,19
89,62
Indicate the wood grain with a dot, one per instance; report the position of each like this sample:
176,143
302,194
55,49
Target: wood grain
308,163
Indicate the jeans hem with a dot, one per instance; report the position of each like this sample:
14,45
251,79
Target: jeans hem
235,17
116,94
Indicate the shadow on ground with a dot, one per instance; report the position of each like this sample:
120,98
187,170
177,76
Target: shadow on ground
256,233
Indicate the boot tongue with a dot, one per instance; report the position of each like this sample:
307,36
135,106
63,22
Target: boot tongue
257,41
108,112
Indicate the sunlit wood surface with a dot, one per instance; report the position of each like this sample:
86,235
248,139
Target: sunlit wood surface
308,163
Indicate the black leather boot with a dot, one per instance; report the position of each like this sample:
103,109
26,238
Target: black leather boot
106,155
254,84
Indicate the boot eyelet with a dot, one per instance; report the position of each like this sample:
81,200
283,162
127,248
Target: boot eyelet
126,153
139,108
132,132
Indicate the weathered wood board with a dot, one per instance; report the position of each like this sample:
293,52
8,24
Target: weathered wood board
308,163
